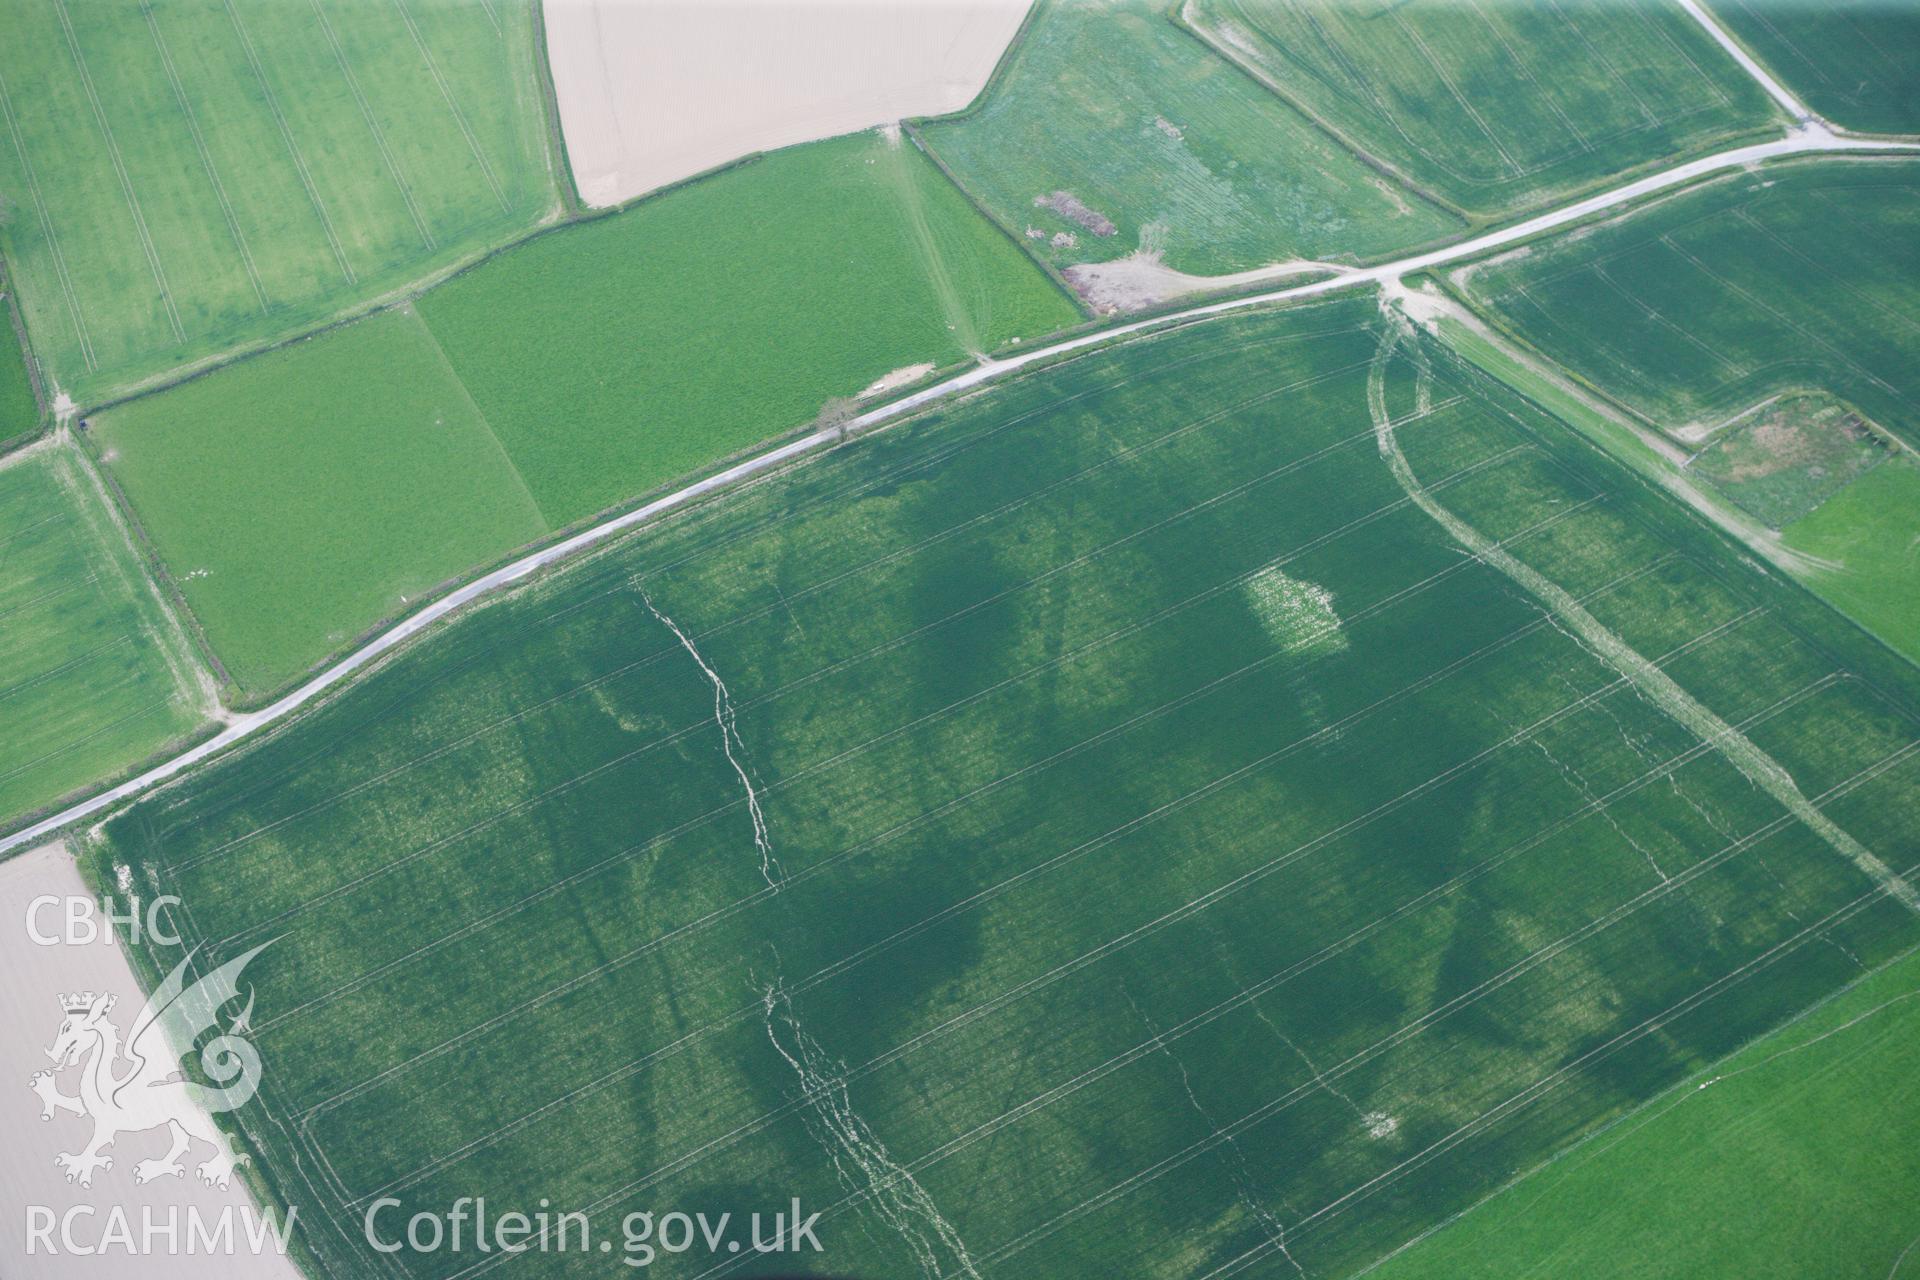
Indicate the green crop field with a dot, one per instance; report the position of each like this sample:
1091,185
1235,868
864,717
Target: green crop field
302,496
1230,799
1179,151
1705,305
93,676
1497,105
1776,1162
1856,62
1747,294
189,177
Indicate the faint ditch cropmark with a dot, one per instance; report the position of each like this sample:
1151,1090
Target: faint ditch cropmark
729,739
860,1158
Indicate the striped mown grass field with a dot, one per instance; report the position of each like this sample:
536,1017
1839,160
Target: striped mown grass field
191,177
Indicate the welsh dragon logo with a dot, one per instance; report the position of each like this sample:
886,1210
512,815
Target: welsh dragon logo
136,1086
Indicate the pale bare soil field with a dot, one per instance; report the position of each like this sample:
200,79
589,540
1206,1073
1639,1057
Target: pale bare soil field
37,978
653,91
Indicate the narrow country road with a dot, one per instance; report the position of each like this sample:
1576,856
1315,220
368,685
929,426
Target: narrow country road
1777,91
1810,137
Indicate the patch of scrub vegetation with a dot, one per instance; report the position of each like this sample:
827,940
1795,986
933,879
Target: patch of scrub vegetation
1852,62
1328,947
1113,131
1499,106
1787,1158
1739,293
94,676
1299,615
191,177
1782,459
616,355
299,497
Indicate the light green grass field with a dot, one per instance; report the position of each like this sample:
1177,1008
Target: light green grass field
1856,62
1871,531
617,355
1699,310
1786,1159
1181,151
1111,826
93,676
1497,106
193,176
300,497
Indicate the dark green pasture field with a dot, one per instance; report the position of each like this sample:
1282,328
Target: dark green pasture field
1856,62
188,177
1107,826
1497,105
1705,307
93,677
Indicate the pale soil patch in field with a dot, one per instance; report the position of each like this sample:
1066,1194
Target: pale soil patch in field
1380,1124
37,976
1784,440
652,91
1075,210
1298,615
901,377
1141,280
